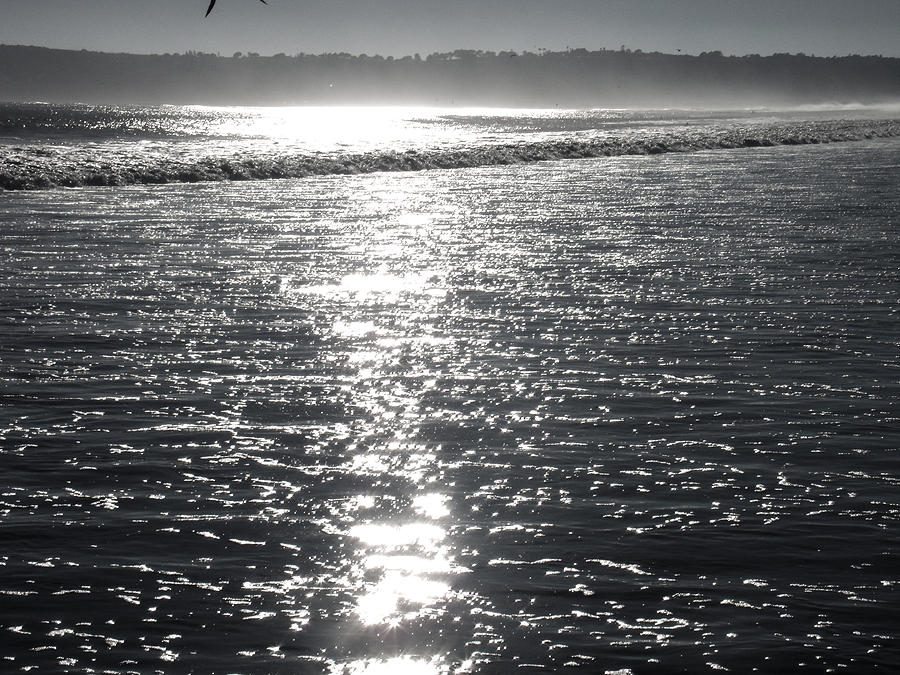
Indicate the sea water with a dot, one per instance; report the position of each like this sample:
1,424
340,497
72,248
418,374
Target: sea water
632,413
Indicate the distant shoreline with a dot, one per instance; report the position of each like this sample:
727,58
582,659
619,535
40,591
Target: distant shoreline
572,78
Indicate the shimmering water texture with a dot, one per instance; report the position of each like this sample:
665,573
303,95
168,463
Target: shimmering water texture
622,415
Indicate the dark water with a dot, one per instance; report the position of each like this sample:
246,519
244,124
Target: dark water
635,414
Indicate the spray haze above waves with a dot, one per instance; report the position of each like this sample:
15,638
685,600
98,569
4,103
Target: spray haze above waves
575,78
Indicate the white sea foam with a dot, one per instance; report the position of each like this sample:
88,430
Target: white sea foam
74,146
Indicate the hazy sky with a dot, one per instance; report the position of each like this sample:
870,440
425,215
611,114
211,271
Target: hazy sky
399,27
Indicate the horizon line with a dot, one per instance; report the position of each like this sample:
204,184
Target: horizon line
540,51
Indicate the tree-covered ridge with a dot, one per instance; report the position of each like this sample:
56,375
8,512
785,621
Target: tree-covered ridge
575,77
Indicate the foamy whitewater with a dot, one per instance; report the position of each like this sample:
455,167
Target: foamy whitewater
47,146
417,391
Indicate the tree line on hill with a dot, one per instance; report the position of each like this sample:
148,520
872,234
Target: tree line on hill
570,78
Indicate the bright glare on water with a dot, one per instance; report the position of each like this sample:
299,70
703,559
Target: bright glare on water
629,415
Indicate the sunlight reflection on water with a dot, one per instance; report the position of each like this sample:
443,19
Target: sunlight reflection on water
401,665
389,286
401,566
555,416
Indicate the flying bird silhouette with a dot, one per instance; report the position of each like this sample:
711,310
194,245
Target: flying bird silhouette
212,3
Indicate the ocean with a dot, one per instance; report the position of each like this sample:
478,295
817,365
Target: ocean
423,391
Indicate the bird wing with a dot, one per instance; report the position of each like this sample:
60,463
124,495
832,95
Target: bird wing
212,3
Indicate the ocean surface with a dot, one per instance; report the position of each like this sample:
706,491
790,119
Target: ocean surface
431,392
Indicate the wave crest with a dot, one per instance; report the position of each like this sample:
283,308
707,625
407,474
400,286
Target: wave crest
36,167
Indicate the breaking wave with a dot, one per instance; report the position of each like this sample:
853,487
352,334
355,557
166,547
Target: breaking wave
43,167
